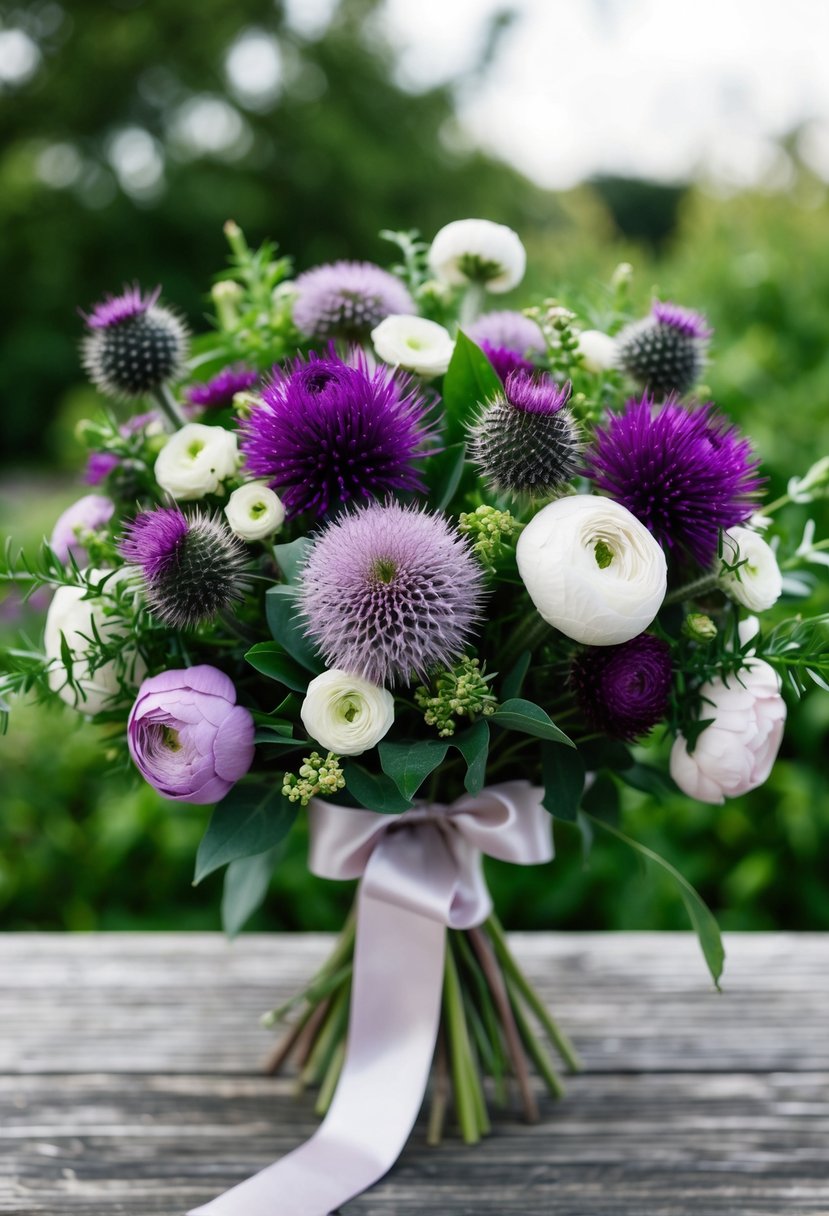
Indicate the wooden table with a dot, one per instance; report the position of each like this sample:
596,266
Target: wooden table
130,1080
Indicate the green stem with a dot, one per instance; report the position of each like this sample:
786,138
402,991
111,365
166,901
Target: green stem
331,1034
460,1053
690,591
539,1056
528,634
334,968
471,304
332,1076
506,958
440,1091
168,405
498,1062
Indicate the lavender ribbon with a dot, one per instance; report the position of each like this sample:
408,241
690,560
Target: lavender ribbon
421,872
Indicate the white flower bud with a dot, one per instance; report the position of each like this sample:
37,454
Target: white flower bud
478,251
346,714
254,511
757,582
196,460
737,751
592,569
77,620
414,343
597,350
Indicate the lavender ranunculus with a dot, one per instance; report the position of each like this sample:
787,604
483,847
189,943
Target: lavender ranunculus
88,514
187,736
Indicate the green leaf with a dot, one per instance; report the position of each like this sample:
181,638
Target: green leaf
470,380
291,556
473,745
602,799
530,719
272,661
701,917
648,779
245,887
286,628
562,771
514,679
409,764
443,473
250,819
375,791
268,735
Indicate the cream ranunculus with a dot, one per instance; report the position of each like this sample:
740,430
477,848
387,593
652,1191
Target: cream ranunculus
196,460
597,350
478,251
77,619
757,583
592,569
254,511
346,714
414,343
736,752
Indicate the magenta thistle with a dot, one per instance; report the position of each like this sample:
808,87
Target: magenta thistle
328,432
115,310
686,473
623,691
389,592
347,300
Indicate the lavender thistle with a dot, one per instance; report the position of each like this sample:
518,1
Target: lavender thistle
347,300
389,592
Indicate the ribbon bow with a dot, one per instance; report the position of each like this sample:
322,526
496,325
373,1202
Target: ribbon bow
421,872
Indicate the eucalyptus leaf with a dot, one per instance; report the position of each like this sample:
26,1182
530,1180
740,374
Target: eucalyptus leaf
562,772
409,764
286,627
374,791
290,557
271,659
250,819
701,917
246,884
473,745
530,719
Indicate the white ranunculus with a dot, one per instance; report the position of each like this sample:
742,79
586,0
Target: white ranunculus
736,752
254,511
597,350
77,620
592,569
346,714
757,583
478,251
196,460
414,343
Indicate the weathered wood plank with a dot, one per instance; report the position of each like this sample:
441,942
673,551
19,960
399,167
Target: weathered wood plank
191,1002
666,1144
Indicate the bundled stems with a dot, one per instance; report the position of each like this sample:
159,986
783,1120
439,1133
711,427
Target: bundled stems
486,1040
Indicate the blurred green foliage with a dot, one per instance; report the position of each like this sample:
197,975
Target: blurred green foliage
341,152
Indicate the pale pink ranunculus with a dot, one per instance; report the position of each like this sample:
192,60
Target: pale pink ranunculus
88,514
736,752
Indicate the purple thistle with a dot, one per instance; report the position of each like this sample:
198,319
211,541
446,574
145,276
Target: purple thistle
505,360
684,320
508,329
114,310
623,690
535,394
219,391
329,431
347,300
389,592
686,473
99,465
191,564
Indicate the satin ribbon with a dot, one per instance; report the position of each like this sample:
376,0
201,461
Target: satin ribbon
421,872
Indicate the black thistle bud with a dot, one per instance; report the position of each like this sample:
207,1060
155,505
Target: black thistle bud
133,344
527,441
665,352
192,565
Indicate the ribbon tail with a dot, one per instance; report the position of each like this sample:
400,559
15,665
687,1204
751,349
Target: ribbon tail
395,1012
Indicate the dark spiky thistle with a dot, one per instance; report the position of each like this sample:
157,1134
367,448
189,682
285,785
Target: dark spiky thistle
192,565
133,344
666,351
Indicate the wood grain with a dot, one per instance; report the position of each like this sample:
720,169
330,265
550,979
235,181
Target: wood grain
130,1083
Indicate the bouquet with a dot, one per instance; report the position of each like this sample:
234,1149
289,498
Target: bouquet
434,574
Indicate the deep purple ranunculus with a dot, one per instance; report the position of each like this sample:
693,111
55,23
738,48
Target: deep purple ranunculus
219,391
88,514
187,736
623,690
